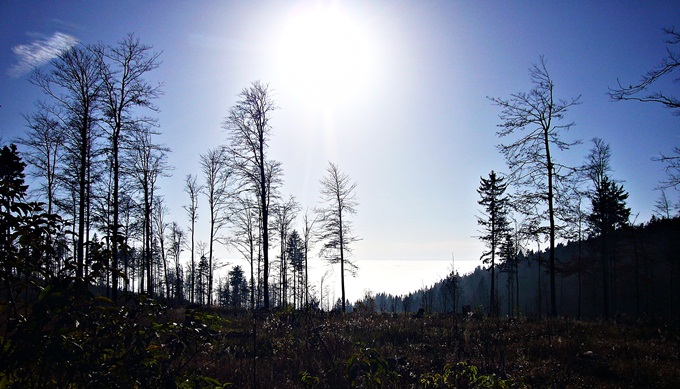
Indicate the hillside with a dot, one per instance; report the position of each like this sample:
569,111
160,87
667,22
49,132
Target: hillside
645,280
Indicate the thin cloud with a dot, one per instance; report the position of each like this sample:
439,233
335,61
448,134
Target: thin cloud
39,52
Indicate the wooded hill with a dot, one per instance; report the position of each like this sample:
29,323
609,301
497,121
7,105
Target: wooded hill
644,280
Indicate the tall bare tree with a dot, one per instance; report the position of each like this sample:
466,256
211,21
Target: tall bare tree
176,244
123,68
218,179
74,84
249,129
307,241
246,235
339,198
145,162
534,115
44,141
160,210
284,215
192,188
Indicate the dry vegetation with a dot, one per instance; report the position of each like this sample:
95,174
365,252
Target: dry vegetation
74,339
296,350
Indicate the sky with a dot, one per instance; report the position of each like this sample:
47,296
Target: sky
393,92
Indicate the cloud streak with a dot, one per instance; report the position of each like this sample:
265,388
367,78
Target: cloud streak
39,52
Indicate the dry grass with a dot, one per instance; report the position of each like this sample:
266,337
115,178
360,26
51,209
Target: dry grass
294,350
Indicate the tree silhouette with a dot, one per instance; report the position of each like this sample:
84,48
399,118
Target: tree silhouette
74,84
239,287
160,210
218,180
122,70
295,256
308,239
245,235
284,214
145,162
495,226
609,212
248,127
176,244
338,195
530,158
192,188
44,142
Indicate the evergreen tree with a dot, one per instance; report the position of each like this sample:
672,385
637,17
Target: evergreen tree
494,226
239,287
609,211
609,208
296,256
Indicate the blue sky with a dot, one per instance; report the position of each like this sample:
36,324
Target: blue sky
416,131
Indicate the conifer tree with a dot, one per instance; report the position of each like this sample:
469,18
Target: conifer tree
494,226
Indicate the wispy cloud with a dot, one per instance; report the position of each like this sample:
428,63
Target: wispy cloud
39,52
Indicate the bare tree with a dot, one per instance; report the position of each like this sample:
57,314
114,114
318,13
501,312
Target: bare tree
44,142
192,188
160,210
338,195
124,90
642,90
307,241
145,163
249,131
75,86
218,177
664,207
176,244
530,158
323,290
246,235
672,169
284,215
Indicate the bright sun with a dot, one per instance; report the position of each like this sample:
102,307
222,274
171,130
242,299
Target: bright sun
324,55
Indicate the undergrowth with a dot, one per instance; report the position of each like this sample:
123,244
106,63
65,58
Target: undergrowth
76,341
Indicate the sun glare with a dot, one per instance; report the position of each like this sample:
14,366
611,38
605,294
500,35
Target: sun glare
324,55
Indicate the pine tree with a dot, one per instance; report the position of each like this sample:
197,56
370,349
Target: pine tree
296,257
495,226
609,213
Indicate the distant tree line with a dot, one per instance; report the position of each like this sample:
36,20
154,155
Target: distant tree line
644,281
